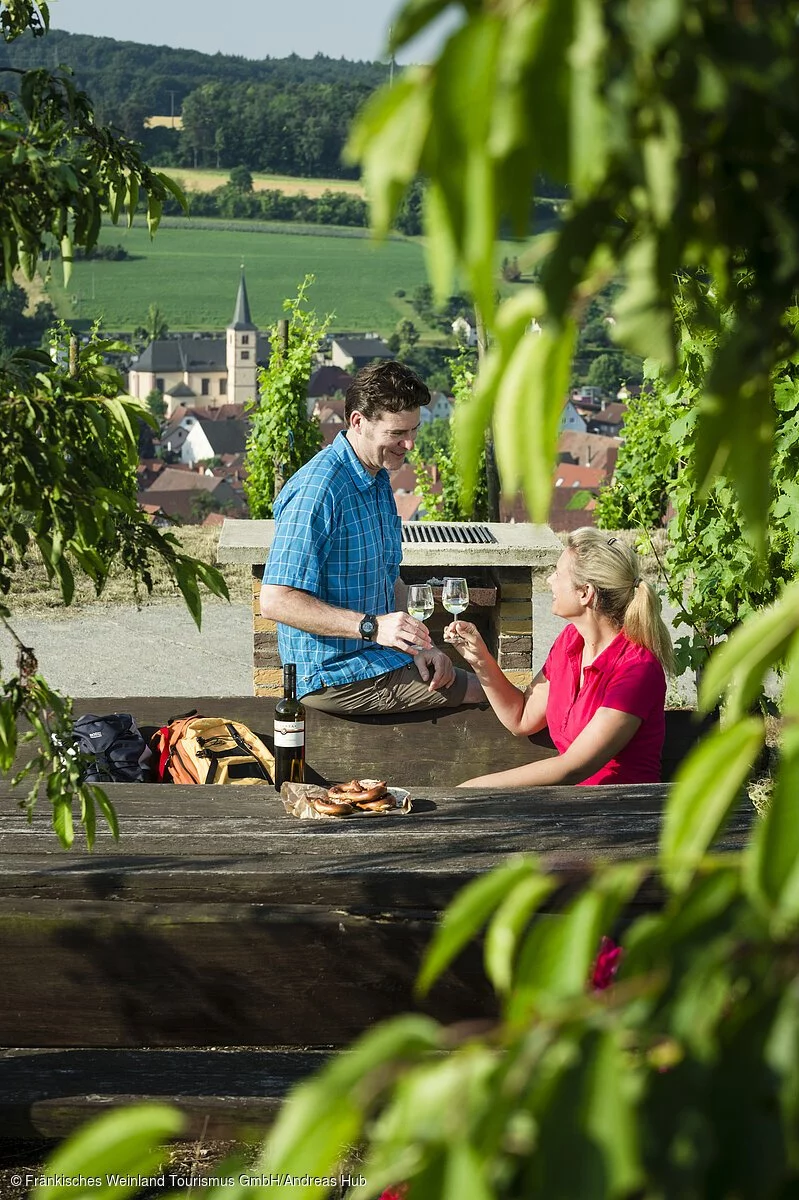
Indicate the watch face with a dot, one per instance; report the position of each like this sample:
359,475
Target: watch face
368,627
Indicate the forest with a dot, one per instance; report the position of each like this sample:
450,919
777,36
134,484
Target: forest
287,115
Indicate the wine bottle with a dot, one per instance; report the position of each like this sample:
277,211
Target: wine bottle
289,732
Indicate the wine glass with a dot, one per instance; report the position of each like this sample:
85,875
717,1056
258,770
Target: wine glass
455,598
420,601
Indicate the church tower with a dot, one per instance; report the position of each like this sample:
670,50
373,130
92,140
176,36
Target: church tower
241,350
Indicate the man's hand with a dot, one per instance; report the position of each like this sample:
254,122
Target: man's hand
437,663
401,631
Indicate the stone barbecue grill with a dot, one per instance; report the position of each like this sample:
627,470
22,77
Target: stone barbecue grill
503,564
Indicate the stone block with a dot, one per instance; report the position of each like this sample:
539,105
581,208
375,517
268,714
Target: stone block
515,662
264,625
268,681
264,641
514,626
520,679
516,608
266,658
514,583
520,643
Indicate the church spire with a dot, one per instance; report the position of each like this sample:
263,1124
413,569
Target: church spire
241,315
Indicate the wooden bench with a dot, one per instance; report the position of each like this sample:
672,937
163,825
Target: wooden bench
218,923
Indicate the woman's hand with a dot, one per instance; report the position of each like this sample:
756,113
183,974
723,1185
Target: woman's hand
468,642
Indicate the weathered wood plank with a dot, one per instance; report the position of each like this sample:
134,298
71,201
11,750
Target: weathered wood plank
48,1093
98,973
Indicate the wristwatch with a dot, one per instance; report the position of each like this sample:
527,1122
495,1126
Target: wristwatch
368,627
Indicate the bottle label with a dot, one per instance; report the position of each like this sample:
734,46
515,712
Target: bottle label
289,733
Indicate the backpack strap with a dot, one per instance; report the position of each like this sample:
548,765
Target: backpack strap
163,750
247,749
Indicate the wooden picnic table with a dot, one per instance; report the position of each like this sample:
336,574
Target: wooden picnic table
218,922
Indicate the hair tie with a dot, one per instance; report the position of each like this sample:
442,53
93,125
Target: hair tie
636,581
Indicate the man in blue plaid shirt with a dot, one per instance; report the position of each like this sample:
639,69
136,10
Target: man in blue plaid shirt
332,577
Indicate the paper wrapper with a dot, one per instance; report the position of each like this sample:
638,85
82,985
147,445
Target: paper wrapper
296,803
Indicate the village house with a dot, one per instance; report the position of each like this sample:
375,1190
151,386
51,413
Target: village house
203,372
464,331
610,421
357,350
186,495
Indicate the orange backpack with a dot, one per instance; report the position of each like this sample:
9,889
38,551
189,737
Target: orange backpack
192,749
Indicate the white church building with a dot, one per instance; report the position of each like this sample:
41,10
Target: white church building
204,372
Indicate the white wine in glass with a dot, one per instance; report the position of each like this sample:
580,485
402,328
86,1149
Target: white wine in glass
420,601
455,596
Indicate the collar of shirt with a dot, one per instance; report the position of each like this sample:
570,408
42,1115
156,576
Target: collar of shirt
604,662
362,479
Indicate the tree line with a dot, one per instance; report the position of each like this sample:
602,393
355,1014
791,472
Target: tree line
129,81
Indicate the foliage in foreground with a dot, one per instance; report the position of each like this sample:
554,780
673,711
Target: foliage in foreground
282,436
673,122
67,483
679,1081
68,491
713,573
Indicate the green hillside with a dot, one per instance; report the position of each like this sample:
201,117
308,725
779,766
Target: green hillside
192,275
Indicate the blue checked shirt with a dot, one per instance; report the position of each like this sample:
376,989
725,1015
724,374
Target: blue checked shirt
337,536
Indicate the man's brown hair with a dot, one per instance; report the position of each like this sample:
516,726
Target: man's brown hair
385,387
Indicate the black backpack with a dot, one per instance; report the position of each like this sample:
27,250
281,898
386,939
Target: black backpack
113,749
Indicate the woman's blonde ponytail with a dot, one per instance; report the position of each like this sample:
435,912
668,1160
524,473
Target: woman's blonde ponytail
611,568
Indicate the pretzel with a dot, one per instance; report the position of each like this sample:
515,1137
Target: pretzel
381,804
330,807
355,792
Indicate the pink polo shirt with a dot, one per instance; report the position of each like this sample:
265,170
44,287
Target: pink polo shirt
624,676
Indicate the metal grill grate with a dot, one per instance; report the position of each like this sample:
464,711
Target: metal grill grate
421,532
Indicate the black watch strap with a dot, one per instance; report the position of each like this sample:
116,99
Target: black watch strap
368,627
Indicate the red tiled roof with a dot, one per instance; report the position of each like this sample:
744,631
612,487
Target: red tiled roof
590,449
569,476
327,380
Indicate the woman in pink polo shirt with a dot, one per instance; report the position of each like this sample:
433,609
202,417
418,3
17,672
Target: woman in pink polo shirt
602,689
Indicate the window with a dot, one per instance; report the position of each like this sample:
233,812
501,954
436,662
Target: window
159,383
222,387
245,354
206,387
245,339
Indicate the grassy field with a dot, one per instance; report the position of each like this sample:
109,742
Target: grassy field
205,180
191,273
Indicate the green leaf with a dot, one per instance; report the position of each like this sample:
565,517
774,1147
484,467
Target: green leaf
528,413
772,872
588,117
107,809
735,427
127,1142
176,190
387,137
439,248
508,924
466,915
464,1175
644,321
751,650
323,1117
67,258
187,582
706,786
556,958
660,153
62,818
610,1113
412,18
